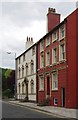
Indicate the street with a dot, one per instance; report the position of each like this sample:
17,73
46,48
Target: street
14,111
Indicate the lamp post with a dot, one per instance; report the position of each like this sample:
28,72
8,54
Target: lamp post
15,87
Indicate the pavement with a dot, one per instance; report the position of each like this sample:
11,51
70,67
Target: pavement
61,112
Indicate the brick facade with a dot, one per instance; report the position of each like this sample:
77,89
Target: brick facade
67,92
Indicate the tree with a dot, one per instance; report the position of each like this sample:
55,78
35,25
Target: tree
8,82
7,73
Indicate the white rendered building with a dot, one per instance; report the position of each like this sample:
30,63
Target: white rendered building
26,73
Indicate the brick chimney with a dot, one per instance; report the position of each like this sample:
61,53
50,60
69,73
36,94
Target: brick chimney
29,42
53,19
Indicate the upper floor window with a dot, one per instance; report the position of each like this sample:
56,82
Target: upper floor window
62,32
41,85
54,55
54,36
42,60
41,46
19,60
26,69
23,57
48,41
33,51
32,67
19,72
48,58
54,81
22,71
62,52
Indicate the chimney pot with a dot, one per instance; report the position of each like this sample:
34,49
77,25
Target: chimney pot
51,10
31,39
27,38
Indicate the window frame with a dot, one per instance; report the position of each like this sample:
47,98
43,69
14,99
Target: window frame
19,88
22,88
33,51
41,60
62,29
19,60
41,83
23,57
47,58
62,53
22,71
32,86
26,69
47,41
42,46
19,73
54,39
54,59
55,101
32,67
54,81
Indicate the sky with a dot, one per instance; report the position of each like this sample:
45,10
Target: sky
22,18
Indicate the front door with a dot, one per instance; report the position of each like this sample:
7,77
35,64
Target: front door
48,85
63,97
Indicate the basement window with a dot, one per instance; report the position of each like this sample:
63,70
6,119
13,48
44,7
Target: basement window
55,101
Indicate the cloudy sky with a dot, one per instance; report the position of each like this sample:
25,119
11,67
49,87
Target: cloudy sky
21,18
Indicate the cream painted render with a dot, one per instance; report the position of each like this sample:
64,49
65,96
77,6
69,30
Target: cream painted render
20,78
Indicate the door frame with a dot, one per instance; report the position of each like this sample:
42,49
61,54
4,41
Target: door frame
63,96
48,85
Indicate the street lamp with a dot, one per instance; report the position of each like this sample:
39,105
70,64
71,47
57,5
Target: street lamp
15,88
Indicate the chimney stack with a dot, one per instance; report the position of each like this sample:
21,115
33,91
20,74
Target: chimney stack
53,19
29,42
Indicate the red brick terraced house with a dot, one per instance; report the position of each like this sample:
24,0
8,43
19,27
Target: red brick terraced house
57,61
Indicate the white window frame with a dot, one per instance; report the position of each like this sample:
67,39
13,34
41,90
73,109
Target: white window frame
19,72
41,46
32,68
55,101
62,52
26,69
41,60
22,71
54,81
33,51
47,41
41,83
22,88
23,57
19,60
32,87
19,88
54,59
47,59
60,32
54,38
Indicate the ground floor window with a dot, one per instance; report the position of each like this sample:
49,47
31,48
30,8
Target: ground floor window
19,88
22,88
54,81
41,83
32,86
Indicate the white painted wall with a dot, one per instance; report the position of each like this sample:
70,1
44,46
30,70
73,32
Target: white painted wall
28,58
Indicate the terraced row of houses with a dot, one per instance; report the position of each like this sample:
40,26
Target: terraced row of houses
47,70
